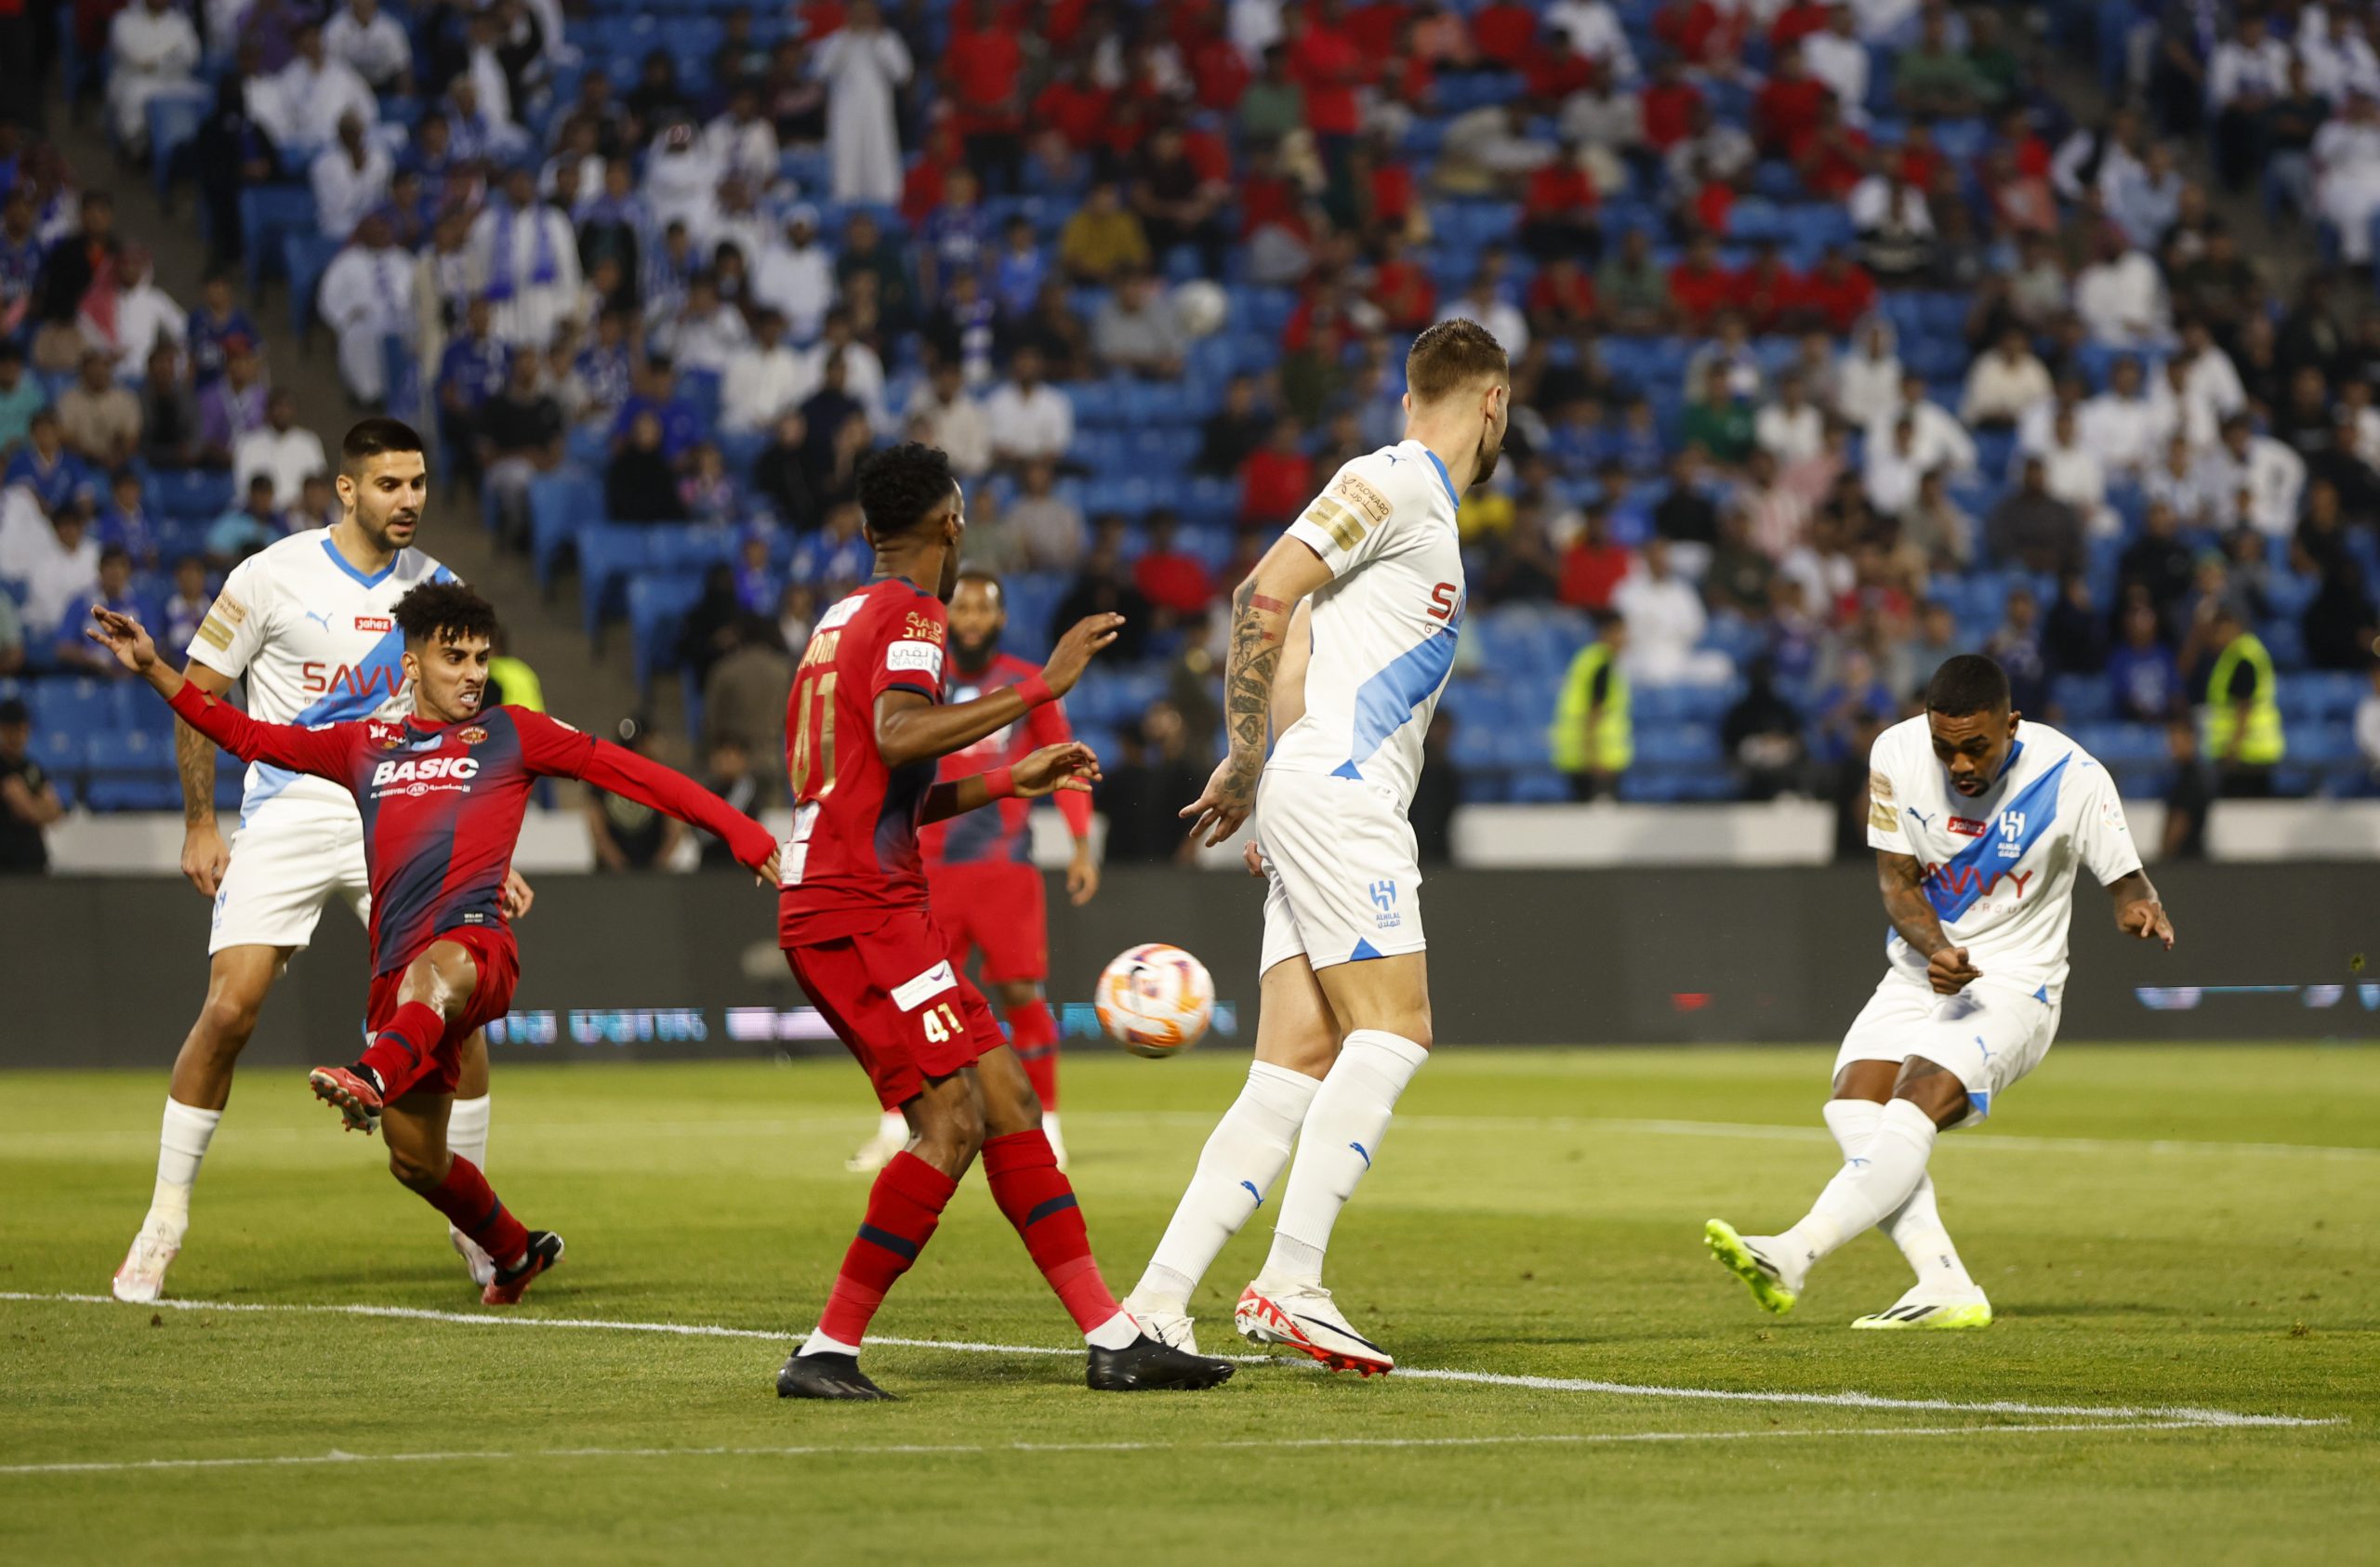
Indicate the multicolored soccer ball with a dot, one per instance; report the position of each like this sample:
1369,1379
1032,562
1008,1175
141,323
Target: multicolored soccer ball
1155,1000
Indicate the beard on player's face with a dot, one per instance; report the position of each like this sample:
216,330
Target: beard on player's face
1490,448
973,652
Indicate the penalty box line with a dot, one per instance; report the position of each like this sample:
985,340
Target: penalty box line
1847,1400
1565,1438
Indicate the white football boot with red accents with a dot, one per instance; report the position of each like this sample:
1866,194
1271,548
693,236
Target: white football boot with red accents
1302,1316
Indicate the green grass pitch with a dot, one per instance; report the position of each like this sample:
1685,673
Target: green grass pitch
2159,1229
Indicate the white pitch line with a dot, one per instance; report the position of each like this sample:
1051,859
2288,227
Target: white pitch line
1571,1439
1849,1400
22,1144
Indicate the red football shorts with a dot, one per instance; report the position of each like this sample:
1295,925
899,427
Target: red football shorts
897,1003
995,907
498,961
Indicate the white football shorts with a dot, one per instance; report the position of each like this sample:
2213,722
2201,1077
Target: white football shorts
1343,882
1988,1034
282,870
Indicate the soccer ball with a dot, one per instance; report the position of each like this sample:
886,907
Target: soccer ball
1200,307
1155,1000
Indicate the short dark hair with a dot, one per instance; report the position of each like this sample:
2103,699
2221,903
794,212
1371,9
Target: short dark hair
444,611
1451,356
1967,683
902,485
377,437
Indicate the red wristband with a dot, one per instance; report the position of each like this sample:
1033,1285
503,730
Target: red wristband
1001,783
1034,690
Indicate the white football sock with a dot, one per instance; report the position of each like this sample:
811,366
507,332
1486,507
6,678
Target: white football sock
1871,1183
181,1147
1243,1157
467,1131
894,1129
818,1343
1343,1133
1119,1331
1916,1227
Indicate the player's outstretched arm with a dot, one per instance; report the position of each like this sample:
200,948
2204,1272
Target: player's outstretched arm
321,752
1069,766
911,728
1261,610
1902,881
2139,912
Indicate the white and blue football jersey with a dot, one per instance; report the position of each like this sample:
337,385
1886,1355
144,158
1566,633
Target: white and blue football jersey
315,641
2000,867
1384,626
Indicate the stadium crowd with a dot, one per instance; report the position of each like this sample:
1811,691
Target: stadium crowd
1837,346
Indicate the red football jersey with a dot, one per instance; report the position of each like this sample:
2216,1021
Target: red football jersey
441,804
998,832
854,855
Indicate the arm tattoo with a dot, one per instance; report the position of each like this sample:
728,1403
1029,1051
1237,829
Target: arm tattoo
1257,624
194,757
1902,881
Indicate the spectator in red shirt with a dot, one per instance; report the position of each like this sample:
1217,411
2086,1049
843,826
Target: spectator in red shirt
1386,196
983,65
1554,70
1787,108
1593,566
1327,68
1831,156
1699,287
1798,20
1669,103
1401,287
1558,209
1277,482
1836,294
1701,35
1767,289
1173,581
1506,32
1561,297
1074,105
1219,72
1920,161
1378,29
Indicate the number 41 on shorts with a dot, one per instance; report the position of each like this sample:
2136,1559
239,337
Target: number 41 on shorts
942,1025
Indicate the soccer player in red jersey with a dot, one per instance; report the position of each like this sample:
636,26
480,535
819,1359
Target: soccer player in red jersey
441,793
864,730
979,867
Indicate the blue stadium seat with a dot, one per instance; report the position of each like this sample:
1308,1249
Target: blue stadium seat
658,604
305,257
266,213
131,771
560,503
2083,698
75,704
196,493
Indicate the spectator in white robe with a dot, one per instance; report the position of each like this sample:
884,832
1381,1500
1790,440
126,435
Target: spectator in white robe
350,179
368,297
153,49
300,105
372,43
863,66
525,260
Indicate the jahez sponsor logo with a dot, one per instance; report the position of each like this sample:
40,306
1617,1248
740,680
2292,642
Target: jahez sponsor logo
1968,827
374,623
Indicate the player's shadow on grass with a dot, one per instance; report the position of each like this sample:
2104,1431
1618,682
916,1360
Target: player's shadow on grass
2039,1310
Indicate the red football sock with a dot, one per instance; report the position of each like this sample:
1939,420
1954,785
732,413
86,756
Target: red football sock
1033,1035
903,1208
400,1052
1040,1202
472,1206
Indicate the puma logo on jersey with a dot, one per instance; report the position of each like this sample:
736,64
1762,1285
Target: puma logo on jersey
322,620
424,769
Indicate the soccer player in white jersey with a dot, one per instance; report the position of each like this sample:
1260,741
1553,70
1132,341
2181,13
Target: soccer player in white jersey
1980,821
1344,999
307,624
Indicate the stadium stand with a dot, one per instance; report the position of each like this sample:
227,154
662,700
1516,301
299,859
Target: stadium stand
1837,344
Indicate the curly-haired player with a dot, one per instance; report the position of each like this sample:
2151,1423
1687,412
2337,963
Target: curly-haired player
442,792
864,730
